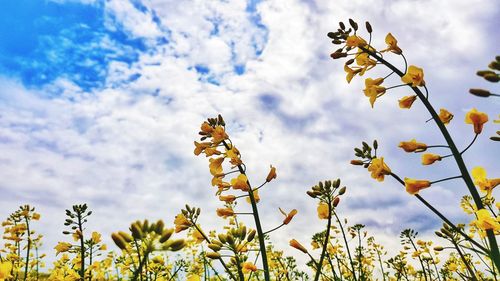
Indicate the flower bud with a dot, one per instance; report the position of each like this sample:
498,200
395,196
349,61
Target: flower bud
166,235
214,247
119,241
294,243
338,55
251,235
438,248
342,190
336,201
368,27
136,230
214,256
357,162
480,92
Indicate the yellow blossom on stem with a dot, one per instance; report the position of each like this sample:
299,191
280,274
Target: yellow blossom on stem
414,186
227,198
294,243
200,147
271,175
206,128
351,72
485,221
407,101
373,90
476,118
240,182
363,59
225,212
219,134
5,269
379,169
96,237
413,146
216,165
255,196
430,158
414,76
181,223
445,116
392,44
289,216
485,185
323,211
62,247
248,267
355,41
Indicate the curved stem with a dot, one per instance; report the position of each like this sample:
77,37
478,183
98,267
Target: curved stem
495,252
327,238
269,231
470,144
446,179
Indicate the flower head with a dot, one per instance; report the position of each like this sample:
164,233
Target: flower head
216,165
414,76
323,211
62,247
485,185
407,101
351,73
392,44
289,216
240,182
485,221
294,243
445,116
373,90
430,158
413,146
414,186
476,118
247,267
181,223
225,212
271,175
355,41
219,134
5,269
379,169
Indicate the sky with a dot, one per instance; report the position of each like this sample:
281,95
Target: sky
100,102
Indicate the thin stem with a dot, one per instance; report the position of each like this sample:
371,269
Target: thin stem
419,259
472,274
470,144
346,245
442,217
495,252
446,179
397,86
82,247
274,228
327,238
258,226
28,247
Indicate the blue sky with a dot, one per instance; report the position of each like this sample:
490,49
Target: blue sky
100,102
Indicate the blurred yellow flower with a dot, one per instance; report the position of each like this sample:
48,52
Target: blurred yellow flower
485,221
96,237
62,247
407,101
225,212
181,223
413,146
414,186
240,182
476,118
219,134
379,169
430,158
248,267
323,211
485,185
5,269
392,44
227,198
414,76
206,128
445,116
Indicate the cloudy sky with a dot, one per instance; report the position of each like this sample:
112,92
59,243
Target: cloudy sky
100,102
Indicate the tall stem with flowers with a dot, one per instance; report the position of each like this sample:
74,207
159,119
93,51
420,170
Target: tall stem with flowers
366,57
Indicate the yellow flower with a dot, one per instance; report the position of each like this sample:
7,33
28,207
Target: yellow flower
181,223
373,90
36,216
194,277
485,221
289,216
62,247
407,101
96,237
477,119
484,184
294,243
414,186
227,198
5,269
351,73
209,151
392,44
219,134
256,197
200,146
414,76
240,182
271,175
355,41
234,155
445,116
197,236
206,128
248,267
363,60
216,165
379,169
225,212
413,146
323,211
430,158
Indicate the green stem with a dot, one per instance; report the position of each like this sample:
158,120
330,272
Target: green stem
471,272
258,226
495,252
346,246
28,248
327,238
82,247
419,259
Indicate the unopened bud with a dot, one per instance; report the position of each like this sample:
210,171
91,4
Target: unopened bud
136,230
119,241
251,235
480,92
214,256
214,247
176,245
368,27
342,190
492,77
166,235
357,162
438,248
336,201
338,55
